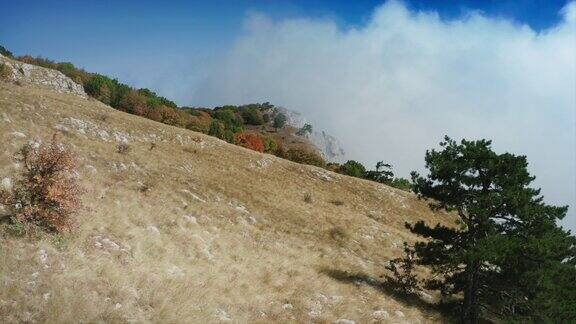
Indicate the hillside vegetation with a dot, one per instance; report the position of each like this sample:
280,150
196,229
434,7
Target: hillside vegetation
261,127
182,226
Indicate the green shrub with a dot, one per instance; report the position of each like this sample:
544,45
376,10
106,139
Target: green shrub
252,116
384,174
40,61
401,183
155,100
5,52
216,129
353,168
270,145
305,157
101,87
306,129
16,227
230,120
4,72
66,67
229,136
403,281
279,121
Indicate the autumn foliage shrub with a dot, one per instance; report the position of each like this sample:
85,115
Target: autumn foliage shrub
305,157
250,140
46,193
134,103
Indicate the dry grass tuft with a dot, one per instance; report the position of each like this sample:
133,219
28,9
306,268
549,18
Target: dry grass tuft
338,234
337,202
123,148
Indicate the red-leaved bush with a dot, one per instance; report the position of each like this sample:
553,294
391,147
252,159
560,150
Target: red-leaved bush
47,192
249,140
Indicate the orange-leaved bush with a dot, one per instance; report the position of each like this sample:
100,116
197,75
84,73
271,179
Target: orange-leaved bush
47,191
249,140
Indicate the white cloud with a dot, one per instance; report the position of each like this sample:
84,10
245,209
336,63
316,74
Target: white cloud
392,88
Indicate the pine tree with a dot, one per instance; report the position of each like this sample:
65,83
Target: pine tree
279,121
508,256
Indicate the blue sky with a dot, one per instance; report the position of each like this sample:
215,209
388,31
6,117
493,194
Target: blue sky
121,37
388,78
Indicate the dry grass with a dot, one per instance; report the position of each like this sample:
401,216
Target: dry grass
170,236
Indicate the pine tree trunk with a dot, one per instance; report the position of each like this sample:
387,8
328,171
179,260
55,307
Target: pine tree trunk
471,309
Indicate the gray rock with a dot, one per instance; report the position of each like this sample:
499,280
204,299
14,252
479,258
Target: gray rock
42,77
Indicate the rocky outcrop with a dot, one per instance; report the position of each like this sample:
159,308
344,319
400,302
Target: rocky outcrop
38,76
329,146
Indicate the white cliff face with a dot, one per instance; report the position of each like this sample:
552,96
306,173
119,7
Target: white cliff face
329,146
39,76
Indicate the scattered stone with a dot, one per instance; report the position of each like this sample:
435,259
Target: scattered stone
61,128
380,314
323,175
261,164
110,244
287,306
345,321
399,313
426,296
314,313
242,209
103,135
103,242
190,219
43,256
6,183
174,271
18,134
31,285
222,315
153,229
6,118
193,195
34,144
252,220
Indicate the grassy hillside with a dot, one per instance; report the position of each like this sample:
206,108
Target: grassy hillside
195,229
231,123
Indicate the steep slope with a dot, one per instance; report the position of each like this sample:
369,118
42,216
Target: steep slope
194,229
